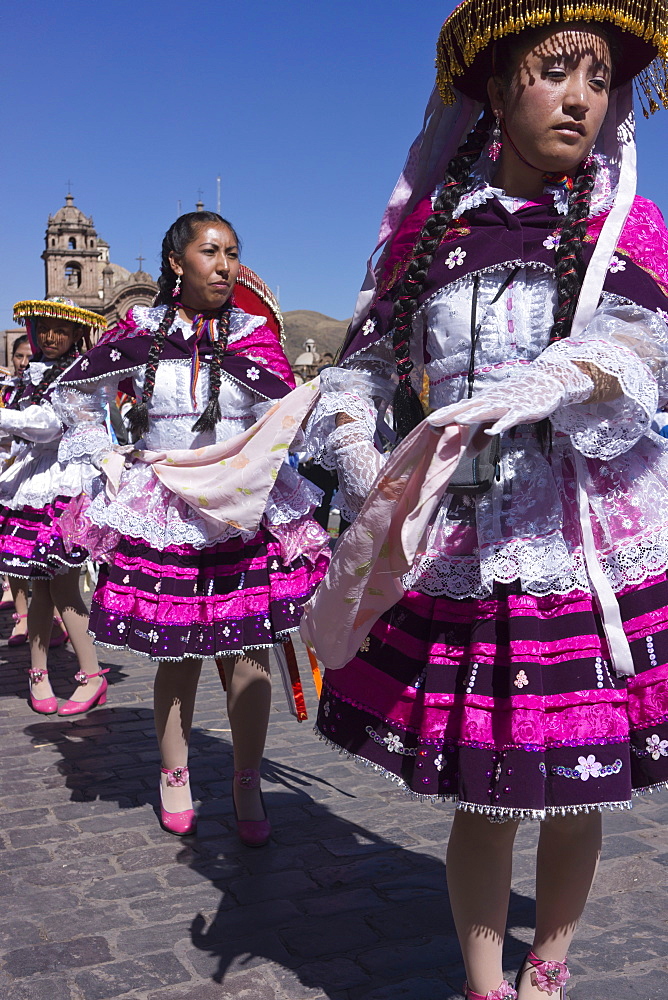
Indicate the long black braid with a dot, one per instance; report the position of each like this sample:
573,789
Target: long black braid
569,259
212,414
457,182
138,415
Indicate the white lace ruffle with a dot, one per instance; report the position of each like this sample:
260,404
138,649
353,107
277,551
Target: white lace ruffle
527,529
145,508
357,463
241,323
36,477
630,344
602,197
355,391
291,498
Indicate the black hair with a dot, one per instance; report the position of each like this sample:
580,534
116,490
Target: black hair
457,182
176,239
23,339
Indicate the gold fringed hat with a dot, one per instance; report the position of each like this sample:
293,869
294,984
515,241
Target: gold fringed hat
29,311
60,308
465,44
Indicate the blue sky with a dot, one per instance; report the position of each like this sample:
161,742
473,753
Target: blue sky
305,109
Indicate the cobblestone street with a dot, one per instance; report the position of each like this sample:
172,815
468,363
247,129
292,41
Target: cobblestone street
347,903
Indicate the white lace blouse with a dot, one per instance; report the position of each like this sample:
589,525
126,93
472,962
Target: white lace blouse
144,508
526,528
35,475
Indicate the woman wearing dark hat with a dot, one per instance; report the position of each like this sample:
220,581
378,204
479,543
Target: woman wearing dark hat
35,488
501,602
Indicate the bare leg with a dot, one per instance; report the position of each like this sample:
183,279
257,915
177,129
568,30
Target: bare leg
19,590
66,596
248,682
174,694
479,868
568,854
40,623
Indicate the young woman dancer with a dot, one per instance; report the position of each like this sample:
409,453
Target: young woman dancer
36,486
175,587
523,671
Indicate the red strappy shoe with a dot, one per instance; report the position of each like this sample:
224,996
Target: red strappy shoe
252,832
21,637
44,706
183,823
99,698
548,977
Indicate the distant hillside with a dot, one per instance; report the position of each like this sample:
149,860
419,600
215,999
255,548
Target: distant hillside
300,324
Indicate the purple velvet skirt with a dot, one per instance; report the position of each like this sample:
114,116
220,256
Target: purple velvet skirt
509,705
31,542
184,602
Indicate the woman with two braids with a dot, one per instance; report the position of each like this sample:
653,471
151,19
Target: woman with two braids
180,582
501,638
35,488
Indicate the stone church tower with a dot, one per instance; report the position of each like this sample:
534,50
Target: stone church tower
77,265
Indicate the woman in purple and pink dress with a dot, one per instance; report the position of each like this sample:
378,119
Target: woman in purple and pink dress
172,587
35,488
499,636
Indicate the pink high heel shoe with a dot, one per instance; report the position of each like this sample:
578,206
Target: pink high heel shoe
548,976
99,698
7,600
59,640
504,992
18,640
45,706
184,823
252,832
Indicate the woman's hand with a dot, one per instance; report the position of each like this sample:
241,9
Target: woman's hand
530,394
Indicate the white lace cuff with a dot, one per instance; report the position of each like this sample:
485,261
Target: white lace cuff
357,462
351,391
605,430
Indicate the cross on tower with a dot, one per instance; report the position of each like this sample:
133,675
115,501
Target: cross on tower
141,261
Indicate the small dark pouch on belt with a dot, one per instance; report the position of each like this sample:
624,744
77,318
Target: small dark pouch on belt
476,475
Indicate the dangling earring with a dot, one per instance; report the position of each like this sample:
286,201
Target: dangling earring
495,147
177,287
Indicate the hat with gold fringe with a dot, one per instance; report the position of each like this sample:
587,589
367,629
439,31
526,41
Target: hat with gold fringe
59,308
465,45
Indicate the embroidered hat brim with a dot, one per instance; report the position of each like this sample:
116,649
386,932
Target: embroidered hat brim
464,53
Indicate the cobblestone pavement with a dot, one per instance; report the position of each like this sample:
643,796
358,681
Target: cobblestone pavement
347,903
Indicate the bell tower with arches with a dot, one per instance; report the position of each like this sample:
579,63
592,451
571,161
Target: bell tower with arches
72,256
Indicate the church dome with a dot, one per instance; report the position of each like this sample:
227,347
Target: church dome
70,215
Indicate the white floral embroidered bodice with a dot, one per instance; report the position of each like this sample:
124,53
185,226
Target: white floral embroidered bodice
526,528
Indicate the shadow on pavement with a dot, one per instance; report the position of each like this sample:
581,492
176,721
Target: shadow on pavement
330,906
